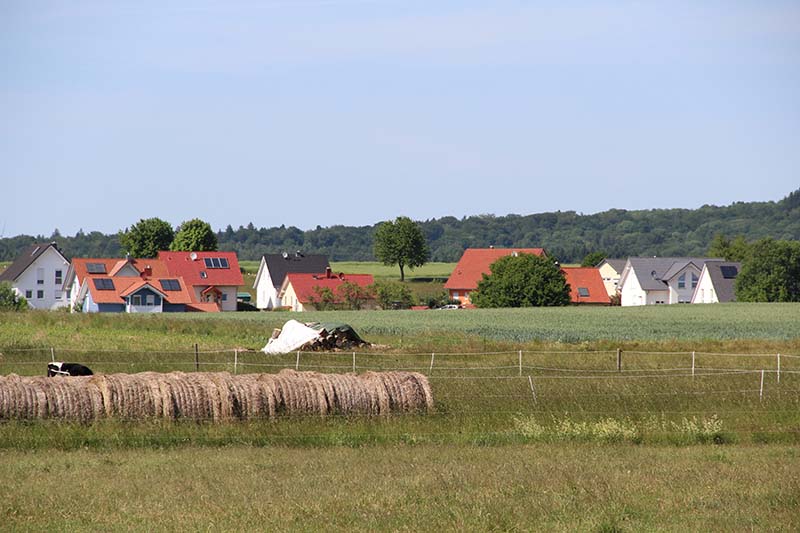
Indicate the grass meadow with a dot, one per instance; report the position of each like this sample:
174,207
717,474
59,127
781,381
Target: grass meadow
538,424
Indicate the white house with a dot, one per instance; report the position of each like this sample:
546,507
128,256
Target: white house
38,275
272,272
611,272
660,280
717,282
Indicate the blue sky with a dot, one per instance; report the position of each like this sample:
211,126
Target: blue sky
314,112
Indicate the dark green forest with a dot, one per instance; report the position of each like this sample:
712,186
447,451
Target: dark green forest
566,235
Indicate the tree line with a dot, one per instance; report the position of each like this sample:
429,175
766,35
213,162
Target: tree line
568,235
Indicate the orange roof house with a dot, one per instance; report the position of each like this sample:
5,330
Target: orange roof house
473,264
175,281
586,285
300,291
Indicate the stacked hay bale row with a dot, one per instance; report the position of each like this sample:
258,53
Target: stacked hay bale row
212,396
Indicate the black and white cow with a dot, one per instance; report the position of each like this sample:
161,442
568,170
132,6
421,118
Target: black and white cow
67,369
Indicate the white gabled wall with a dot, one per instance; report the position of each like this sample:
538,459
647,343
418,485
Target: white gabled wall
46,265
684,295
632,293
705,293
266,294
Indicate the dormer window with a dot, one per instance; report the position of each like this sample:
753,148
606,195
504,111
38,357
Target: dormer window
695,279
682,281
203,274
583,292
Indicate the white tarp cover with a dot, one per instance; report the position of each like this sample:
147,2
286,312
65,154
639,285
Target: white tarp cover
293,335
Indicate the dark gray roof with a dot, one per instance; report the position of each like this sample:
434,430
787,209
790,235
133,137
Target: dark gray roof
724,287
26,259
281,264
616,264
652,270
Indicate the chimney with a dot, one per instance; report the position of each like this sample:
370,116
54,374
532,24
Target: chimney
341,276
148,271
328,272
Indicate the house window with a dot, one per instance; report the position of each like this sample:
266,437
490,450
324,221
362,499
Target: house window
28,294
58,295
40,295
682,281
40,276
694,280
59,279
137,299
150,300
224,297
583,292
203,274
455,295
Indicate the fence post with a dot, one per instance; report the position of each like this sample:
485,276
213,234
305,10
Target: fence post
196,358
692,364
53,354
761,389
297,363
235,360
432,355
520,362
779,368
533,391
354,361
619,360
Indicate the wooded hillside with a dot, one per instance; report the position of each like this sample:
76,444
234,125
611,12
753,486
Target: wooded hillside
566,235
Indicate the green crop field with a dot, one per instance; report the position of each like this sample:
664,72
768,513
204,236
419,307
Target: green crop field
539,423
424,282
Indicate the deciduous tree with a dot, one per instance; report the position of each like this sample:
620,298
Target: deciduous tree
525,280
10,300
593,258
147,237
401,243
771,273
194,235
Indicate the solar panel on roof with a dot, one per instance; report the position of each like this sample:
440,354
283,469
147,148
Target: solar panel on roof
729,272
216,262
96,268
104,284
170,285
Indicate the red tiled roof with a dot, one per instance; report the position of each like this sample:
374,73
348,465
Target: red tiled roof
125,286
304,284
180,264
476,261
156,267
203,307
81,272
588,278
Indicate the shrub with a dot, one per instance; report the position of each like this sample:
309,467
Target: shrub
10,300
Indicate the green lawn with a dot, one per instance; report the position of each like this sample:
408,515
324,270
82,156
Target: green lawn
577,446
425,281
758,326
405,488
